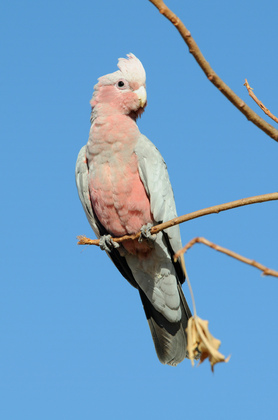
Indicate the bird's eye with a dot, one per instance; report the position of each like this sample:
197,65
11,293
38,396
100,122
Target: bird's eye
122,84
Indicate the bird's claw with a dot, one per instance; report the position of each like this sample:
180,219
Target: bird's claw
106,243
146,234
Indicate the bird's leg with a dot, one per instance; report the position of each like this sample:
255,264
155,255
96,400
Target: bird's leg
146,234
107,244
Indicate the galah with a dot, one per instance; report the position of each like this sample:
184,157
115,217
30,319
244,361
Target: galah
124,187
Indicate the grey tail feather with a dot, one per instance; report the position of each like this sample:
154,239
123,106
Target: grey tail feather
169,338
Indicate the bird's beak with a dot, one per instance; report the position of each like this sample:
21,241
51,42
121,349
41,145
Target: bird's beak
142,95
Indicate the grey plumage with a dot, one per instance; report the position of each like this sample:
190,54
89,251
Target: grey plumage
158,279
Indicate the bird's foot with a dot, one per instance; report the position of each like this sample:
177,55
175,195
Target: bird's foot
106,243
146,234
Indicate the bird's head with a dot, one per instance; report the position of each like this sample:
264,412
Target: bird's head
122,92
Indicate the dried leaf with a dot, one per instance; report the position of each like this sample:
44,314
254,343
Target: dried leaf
201,343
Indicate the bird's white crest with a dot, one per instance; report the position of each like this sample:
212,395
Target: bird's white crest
132,69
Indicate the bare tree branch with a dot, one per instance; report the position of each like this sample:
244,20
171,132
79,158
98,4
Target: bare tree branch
258,102
199,213
210,73
265,271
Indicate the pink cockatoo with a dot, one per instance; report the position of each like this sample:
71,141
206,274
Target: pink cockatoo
124,187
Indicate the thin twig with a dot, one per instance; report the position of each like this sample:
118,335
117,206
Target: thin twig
265,271
189,285
190,216
210,73
258,102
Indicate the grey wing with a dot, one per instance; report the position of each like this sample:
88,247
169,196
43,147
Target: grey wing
170,338
82,183
82,178
154,175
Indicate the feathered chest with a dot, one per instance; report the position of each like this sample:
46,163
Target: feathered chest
117,193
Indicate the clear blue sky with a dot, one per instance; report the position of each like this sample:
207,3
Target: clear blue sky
75,343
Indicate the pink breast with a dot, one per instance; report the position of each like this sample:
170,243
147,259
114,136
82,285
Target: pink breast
120,201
